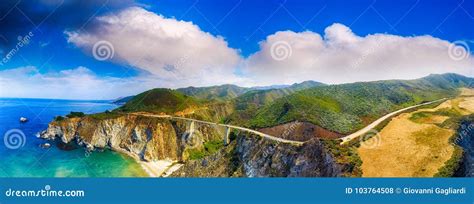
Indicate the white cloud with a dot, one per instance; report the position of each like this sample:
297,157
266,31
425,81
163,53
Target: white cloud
175,53
77,83
165,47
341,56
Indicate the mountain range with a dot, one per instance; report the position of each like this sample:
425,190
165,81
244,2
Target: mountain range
341,108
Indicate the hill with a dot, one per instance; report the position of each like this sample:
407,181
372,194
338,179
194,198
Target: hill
219,93
122,100
160,101
247,104
345,108
228,91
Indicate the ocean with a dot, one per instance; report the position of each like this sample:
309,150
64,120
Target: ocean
22,154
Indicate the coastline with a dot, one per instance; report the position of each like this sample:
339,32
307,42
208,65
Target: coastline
154,169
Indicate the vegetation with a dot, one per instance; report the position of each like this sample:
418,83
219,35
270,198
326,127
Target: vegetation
159,101
452,165
218,93
345,155
75,114
59,118
345,108
210,148
248,104
123,100
105,115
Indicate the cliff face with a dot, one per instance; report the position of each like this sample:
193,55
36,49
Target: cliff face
152,139
465,139
145,138
252,156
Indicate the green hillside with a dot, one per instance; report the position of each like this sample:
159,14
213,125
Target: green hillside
347,107
342,108
219,93
159,101
247,104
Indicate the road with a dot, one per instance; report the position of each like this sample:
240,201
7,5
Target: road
261,134
374,124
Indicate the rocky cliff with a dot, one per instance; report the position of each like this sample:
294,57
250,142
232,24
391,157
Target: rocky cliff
253,156
145,138
465,140
150,139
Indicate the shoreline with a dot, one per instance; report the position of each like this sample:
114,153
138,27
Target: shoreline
154,169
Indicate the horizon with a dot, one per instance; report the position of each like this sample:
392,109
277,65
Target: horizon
286,85
133,46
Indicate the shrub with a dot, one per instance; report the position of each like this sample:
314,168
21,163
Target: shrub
75,114
210,148
452,165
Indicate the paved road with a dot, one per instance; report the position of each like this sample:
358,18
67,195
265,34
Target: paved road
261,134
372,125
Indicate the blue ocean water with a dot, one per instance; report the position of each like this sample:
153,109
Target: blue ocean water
21,154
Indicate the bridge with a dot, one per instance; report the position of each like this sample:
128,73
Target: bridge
228,128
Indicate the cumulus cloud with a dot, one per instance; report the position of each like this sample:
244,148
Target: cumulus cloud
165,47
341,56
77,83
173,53
180,51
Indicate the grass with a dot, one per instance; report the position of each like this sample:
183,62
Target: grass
427,139
452,165
356,141
210,148
159,101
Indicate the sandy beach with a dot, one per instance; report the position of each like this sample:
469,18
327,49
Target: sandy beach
159,168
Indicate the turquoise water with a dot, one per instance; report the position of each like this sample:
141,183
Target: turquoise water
21,154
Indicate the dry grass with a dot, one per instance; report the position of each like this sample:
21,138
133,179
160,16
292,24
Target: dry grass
413,149
432,119
467,92
466,105
406,149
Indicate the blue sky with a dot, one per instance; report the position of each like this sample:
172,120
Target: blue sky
241,31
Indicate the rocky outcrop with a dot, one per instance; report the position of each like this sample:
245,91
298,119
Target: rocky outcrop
465,139
151,139
253,156
145,138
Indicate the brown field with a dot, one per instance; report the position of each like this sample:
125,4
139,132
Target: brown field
405,148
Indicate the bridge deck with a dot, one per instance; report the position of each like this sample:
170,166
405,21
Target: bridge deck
261,134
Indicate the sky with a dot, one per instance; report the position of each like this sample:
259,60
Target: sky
104,49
